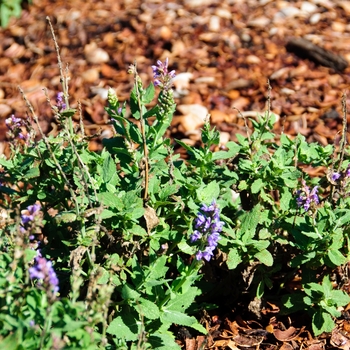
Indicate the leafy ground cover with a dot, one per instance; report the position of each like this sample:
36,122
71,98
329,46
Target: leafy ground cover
135,246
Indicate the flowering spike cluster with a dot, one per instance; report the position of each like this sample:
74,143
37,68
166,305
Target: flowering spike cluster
162,77
305,196
207,228
61,105
15,126
43,271
31,219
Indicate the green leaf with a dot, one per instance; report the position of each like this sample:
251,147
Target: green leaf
67,113
181,319
129,293
322,322
339,298
207,193
182,301
233,259
163,341
233,149
109,199
125,327
343,216
65,216
250,221
293,302
158,268
12,341
31,173
265,257
148,94
336,257
260,289
148,309
257,186
108,168
285,199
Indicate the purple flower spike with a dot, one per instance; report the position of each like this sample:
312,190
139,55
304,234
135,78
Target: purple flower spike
43,271
305,197
207,227
60,102
162,77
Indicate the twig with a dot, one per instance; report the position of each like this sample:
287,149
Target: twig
245,122
344,131
35,117
63,78
143,133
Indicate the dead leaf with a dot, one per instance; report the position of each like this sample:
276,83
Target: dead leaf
287,335
151,218
247,341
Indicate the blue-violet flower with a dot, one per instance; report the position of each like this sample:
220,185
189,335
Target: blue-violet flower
207,227
43,271
305,196
162,77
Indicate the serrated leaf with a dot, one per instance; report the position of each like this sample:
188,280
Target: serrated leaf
343,217
31,173
181,319
129,293
65,216
125,327
233,149
110,200
158,269
285,199
233,259
207,193
106,214
339,298
148,94
148,309
250,221
182,301
322,322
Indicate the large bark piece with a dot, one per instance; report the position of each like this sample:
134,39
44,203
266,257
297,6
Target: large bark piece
306,49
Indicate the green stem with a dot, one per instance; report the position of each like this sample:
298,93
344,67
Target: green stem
193,268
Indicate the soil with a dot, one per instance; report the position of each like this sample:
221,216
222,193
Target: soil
226,54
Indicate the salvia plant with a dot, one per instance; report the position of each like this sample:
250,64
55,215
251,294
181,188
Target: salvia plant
117,249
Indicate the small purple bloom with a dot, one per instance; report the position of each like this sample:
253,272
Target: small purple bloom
60,102
195,236
13,122
43,271
207,227
335,176
347,174
305,197
32,211
162,77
